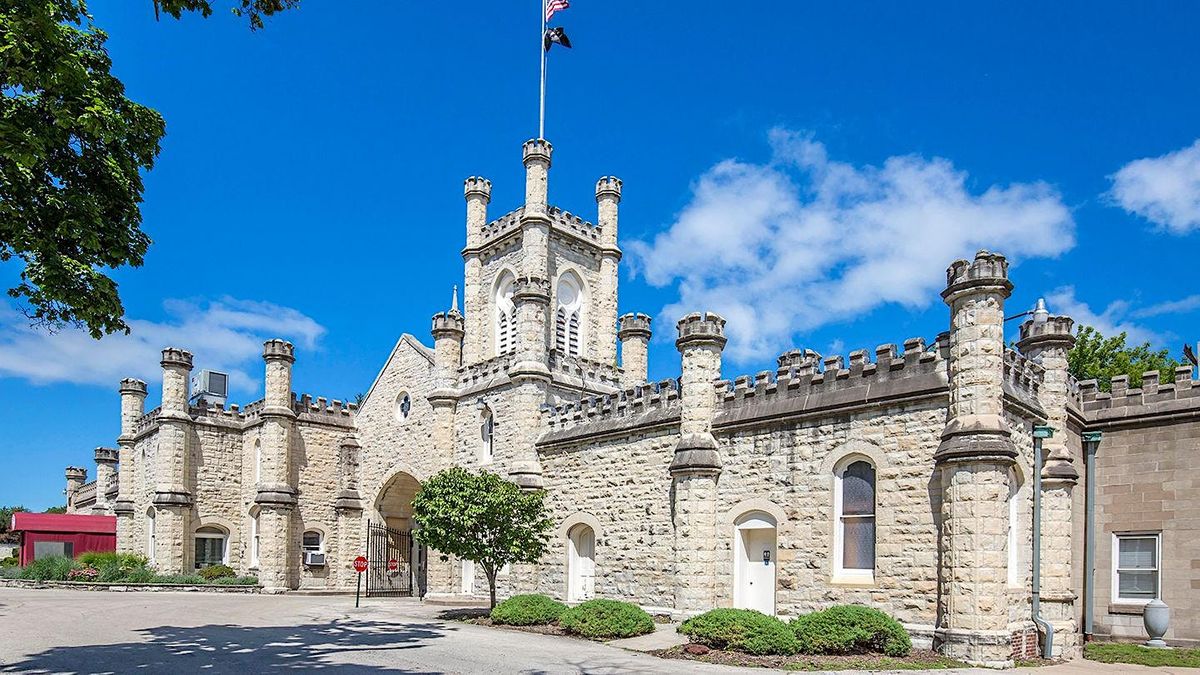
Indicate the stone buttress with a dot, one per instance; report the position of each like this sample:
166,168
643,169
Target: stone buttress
106,473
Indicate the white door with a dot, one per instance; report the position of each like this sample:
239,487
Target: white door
468,576
756,576
582,564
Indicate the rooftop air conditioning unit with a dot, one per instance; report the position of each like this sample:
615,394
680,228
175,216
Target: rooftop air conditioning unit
314,559
211,386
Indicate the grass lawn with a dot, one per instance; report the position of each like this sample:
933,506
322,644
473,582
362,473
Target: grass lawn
1116,652
918,660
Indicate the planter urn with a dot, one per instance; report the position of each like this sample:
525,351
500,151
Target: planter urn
1156,617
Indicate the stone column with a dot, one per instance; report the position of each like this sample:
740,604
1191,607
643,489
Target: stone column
1048,344
974,459
478,193
696,467
278,557
106,473
447,347
349,509
531,378
76,477
172,497
133,406
608,196
635,344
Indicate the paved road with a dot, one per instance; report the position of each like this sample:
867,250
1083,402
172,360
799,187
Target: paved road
56,631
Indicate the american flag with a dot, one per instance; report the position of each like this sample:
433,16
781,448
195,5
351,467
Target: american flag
555,6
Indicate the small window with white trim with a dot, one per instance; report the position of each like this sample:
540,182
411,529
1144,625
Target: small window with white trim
313,542
1015,573
487,428
854,521
1136,567
210,547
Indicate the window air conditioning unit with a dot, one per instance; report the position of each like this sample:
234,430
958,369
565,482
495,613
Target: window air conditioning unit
314,559
210,385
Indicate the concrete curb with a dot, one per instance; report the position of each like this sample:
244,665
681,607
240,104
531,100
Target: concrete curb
127,587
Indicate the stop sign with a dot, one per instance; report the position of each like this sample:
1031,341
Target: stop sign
393,565
360,564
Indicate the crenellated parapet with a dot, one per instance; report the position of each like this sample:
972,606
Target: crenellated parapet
701,328
1132,404
531,289
477,187
638,405
1022,377
587,370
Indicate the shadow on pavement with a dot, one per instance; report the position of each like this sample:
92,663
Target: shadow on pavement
245,650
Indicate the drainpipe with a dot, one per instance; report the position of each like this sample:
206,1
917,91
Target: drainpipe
1091,443
1039,433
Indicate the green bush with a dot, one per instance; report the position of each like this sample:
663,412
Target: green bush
851,629
10,572
52,568
741,630
606,619
138,575
235,581
213,572
100,559
10,561
528,610
194,579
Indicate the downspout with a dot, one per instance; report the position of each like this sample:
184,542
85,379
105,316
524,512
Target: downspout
1039,433
1091,443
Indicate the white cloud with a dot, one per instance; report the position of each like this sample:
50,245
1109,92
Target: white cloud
802,241
1112,321
1164,190
1182,306
226,335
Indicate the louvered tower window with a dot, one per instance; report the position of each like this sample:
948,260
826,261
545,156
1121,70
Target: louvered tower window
506,319
567,318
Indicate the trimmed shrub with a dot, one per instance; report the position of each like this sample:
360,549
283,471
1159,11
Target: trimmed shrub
214,572
851,629
606,619
53,568
235,581
10,561
528,610
741,630
99,559
138,575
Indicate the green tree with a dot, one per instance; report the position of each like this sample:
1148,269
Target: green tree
6,513
56,509
483,518
1096,357
72,148
254,10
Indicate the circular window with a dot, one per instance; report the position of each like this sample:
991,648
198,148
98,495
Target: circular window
403,406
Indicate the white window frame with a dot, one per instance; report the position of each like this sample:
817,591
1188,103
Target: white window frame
398,410
257,460
505,331
320,547
254,539
224,537
1116,560
487,437
843,574
150,535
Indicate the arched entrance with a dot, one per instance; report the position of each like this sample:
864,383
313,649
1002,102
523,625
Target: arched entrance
395,561
581,563
754,562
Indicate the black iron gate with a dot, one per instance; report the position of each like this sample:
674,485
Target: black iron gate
395,567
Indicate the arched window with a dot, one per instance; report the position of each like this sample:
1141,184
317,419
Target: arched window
212,544
150,533
403,406
487,428
581,563
506,318
257,461
567,317
254,537
854,524
313,541
1014,531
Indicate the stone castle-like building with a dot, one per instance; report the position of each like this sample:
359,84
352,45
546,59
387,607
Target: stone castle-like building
901,478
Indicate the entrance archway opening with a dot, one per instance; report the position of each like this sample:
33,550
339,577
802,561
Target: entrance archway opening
755,557
395,561
581,563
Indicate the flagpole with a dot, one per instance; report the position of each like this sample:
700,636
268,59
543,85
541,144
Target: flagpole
542,53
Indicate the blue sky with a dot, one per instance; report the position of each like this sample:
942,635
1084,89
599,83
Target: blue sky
807,168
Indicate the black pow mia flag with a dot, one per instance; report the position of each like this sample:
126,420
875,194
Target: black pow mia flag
556,35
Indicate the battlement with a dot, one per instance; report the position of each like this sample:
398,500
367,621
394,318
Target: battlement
591,372
447,324
531,288
661,398
1057,327
109,455
701,327
987,269
134,386
76,473
482,372
633,325
176,357
237,416
477,186
560,220
608,186
536,149
277,349
1153,397
86,495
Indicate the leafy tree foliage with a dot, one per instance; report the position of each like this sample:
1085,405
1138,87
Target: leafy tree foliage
1096,357
56,509
483,518
6,513
72,147
254,10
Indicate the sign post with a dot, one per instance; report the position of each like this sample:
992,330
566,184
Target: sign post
360,566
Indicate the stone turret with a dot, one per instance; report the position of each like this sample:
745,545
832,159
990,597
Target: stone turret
448,330
635,341
76,477
1047,339
133,406
106,473
478,193
536,154
531,376
608,197
697,464
172,496
276,494
975,458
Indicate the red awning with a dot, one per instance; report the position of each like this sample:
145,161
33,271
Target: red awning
63,522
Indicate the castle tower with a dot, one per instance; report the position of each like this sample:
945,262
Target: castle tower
76,477
974,458
276,496
1048,343
608,197
106,473
635,342
697,464
172,498
448,330
478,193
133,406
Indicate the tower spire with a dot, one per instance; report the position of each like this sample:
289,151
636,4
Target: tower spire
454,299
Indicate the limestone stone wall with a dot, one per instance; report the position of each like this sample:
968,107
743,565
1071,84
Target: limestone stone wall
315,457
